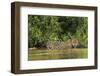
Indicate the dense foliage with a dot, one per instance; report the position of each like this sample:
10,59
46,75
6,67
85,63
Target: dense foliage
51,28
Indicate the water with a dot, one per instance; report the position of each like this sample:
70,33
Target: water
44,54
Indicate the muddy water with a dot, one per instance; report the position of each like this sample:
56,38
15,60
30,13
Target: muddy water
44,54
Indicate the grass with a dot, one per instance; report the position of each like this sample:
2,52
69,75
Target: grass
44,54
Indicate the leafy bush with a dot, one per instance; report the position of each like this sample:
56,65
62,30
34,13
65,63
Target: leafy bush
42,29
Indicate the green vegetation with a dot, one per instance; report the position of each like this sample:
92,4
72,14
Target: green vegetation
44,54
42,29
